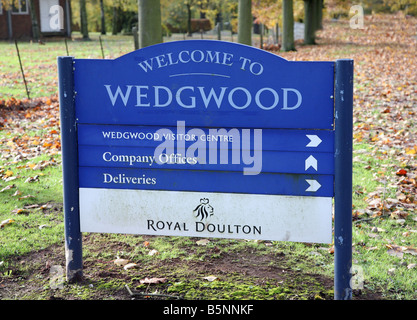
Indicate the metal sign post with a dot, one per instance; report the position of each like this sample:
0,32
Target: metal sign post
343,179
73,239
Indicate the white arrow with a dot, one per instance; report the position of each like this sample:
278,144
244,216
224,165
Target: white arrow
311,162
314,140
314,185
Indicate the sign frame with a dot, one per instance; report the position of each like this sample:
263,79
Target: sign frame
343,114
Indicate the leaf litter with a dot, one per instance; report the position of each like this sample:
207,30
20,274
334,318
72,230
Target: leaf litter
30,128
385,109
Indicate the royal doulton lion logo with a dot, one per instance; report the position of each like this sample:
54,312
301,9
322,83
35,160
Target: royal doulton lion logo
203,210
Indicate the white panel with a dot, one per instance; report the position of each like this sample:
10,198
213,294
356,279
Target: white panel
222,215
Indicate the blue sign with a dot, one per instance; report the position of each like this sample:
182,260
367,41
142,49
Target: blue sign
145,136
217,138
210,107
206,84
223,160
206,181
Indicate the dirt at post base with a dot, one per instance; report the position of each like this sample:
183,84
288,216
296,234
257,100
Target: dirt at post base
31,278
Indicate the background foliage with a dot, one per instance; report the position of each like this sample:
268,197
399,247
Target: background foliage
268,12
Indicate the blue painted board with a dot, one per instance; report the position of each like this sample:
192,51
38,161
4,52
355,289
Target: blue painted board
269,161
143,136
206,181
206,84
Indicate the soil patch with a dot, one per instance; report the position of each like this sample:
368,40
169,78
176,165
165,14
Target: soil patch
239,275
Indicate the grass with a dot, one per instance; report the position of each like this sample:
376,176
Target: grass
36,224
39,62
381,271
365,169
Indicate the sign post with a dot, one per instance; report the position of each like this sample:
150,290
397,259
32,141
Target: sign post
343,179
190,138
73,239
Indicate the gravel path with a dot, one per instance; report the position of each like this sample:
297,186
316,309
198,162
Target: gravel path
227,36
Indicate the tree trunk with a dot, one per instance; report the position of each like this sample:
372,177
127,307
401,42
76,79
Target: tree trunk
319,16
261,36
34,18
309,22
83,18
189,31
9,24
103,21
114,22
287,26
244,27
69,17
149,23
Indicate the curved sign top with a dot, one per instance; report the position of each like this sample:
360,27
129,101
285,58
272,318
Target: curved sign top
207,84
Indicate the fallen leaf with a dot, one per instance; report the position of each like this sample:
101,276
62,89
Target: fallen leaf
17,193
410,250
46,206
19,211
401,172
31,206
153,280
10,186
8,173
31,165
153,252
130,266
398,251
402,197
27,196
395,253
374,235
203,242
5,223
410,151
121,262
211,278
376,229
32,179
